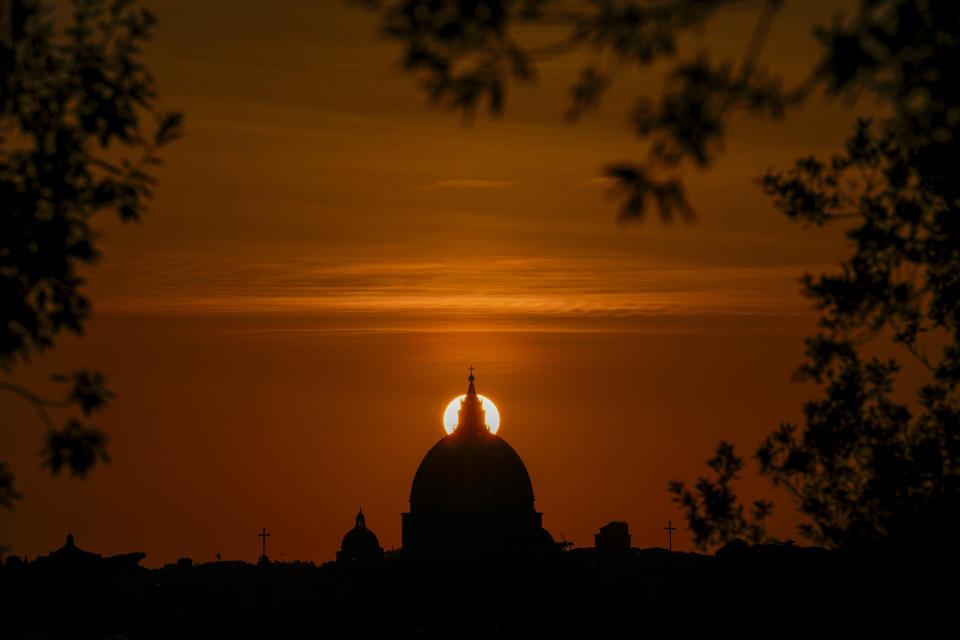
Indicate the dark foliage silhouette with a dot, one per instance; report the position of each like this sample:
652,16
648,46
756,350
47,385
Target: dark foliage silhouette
73,103
864,469
714,513
467,52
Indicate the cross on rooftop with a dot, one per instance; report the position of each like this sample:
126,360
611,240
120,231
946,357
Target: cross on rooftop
263,535
670,529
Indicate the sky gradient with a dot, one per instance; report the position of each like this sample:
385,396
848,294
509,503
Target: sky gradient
326,256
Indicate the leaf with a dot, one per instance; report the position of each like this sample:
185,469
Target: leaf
75,447
169,128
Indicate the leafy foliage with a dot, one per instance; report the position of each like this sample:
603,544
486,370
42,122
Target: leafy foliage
865,469
75,446
7,492
713,510
72,143
466,52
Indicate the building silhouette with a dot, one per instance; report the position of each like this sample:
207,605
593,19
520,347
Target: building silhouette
360,546
614,536
472,493
72,560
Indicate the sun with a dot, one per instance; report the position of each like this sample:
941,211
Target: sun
492,415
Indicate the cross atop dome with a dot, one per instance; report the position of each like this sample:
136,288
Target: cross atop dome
471,408
472,491
471,390
471,419
360,546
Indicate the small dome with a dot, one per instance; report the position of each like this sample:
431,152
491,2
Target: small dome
360,544
359,540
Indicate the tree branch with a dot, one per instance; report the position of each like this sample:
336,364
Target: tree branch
39,404
759,36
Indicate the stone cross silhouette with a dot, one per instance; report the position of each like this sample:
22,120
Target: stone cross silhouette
471,369
670,529
263,535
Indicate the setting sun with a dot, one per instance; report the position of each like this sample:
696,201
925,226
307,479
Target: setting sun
492,416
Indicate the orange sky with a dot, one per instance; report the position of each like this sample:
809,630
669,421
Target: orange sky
325,257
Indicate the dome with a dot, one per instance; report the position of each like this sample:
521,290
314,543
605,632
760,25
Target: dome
471,469
479,473
472,493
360,544
360,540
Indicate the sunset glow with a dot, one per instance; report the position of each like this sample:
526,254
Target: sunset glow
324,256
491,414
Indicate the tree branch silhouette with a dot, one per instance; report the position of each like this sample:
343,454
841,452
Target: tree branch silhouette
713,511
465,52
73,142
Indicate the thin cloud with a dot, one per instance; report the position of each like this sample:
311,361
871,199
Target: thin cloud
465,184
595,290
599,181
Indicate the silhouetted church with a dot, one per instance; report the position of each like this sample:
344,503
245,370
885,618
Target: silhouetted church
472,493
360,546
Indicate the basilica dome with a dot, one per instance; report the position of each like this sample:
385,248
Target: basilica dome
472,492
480,472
